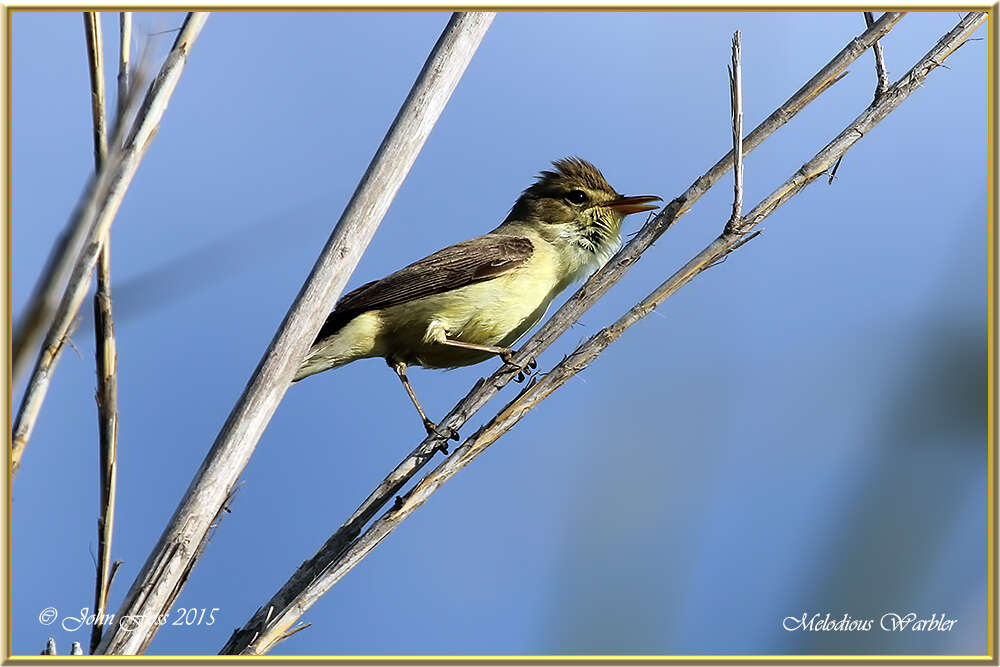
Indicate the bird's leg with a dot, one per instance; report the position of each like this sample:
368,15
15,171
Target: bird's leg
504,353
400,368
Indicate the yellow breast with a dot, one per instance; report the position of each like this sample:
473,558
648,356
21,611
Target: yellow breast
494,312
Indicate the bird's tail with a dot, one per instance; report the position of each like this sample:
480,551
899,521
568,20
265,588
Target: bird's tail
318,360
348,342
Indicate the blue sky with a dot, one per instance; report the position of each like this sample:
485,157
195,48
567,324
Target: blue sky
801,429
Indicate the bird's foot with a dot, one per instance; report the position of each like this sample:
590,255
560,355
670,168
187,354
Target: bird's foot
526,371
508,358
443,437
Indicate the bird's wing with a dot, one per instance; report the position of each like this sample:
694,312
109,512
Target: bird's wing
453,267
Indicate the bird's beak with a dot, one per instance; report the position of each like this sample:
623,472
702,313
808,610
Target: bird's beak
630,205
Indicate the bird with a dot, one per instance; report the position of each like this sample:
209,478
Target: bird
475,299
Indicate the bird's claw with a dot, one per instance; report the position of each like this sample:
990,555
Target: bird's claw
508,358
443,438
526,371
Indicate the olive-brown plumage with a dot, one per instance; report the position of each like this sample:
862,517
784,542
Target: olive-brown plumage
473,300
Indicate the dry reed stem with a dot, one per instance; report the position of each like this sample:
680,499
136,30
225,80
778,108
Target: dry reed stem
94,214
532,395
313,578
107,413
175,554
736,104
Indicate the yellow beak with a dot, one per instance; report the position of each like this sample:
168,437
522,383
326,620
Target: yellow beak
630,205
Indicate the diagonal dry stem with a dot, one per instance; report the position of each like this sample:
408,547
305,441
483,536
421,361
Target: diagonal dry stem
312,579
881,81
532,395
177,551
95,214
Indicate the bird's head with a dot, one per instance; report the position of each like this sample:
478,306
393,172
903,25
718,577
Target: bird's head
575,204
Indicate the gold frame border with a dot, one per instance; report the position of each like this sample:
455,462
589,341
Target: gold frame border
708,659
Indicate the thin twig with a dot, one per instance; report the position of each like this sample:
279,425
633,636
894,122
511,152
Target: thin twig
833,172
44,300
95,214
95,60
162,576
589,350
743,241
295,630
736,103
107,385
881,74
124,56
111,577
832,72
309,582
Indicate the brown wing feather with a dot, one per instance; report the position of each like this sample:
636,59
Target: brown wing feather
453,267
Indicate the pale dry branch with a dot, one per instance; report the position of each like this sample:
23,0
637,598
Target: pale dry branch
94,215
124,57
95,61
315,576
881,74
106,356
176,552
736,103
532,395
40,307
832,72
881,83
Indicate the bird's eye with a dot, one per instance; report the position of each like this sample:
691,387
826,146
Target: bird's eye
576,197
